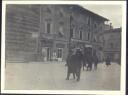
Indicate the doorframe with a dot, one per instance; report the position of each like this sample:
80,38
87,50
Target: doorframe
60,59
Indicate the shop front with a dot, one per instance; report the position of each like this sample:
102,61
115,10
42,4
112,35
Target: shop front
114,56
46,48
60,51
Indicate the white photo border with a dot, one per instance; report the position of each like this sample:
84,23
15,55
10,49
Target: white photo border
123,50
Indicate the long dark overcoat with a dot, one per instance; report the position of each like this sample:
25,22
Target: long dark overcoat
78,59
70,63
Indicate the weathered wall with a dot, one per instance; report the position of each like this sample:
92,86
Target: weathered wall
21,25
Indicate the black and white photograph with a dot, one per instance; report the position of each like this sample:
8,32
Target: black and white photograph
63,46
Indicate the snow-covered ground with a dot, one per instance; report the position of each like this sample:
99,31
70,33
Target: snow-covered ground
51,76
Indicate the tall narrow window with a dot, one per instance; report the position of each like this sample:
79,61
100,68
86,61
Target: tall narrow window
80,34
59,53
48,54
111,45
88,36
61,33
48,27
71,33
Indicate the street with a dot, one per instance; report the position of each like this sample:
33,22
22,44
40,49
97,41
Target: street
52,76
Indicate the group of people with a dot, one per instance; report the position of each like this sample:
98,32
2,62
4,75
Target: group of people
76,60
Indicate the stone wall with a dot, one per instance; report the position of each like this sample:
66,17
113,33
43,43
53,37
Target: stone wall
22,23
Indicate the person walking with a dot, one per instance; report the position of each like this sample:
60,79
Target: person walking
78,59
84,59
95,60
89,61
69,64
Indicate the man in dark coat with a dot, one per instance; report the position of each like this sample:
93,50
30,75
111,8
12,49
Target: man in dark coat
69,63
78,59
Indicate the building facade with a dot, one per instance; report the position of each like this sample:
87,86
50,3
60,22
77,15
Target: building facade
45,32
112,44
22,23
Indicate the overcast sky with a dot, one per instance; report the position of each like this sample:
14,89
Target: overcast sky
111,12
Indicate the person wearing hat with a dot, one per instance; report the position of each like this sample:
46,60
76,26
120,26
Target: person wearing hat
69,64
78,58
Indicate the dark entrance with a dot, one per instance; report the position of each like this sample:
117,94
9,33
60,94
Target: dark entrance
48,54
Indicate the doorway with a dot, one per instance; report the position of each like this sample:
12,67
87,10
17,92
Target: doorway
46,53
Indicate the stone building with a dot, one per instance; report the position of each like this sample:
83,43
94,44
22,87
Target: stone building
43,32
112,44
22,23
86,27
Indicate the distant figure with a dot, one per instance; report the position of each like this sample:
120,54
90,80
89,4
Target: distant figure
84,59
78,59
69,64
84,64
95,60
108,61
89,61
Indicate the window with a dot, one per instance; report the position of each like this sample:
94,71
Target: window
74,32
48,27
61,33
80,34
59,53
71,33
111,45
89,21
48,54
88,36
94,39
95,25
48,10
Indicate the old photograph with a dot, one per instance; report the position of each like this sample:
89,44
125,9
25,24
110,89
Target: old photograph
63,47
